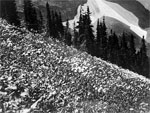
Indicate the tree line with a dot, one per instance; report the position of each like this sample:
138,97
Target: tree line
116,49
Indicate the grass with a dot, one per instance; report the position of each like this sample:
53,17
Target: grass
42,75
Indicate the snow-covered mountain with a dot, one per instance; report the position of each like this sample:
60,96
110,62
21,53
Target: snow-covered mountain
120,11
131,16
127,15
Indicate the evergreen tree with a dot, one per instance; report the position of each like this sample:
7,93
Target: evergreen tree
124,52
132,44
81,28
67,34
113,48
89,33
104,34
104,39
132,54
98,38
81,23
144,59
41,23
3,13
55,29
30,13
138,68
49,20
98,47
8,11
60,25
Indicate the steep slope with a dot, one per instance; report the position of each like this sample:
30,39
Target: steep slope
146,3
137,9
39,74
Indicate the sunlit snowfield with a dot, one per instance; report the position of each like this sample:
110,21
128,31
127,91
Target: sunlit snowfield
100,8
42,75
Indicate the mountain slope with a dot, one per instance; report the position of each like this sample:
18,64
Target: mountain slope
145,3
101,8
40,74
132,13
137,9
68,8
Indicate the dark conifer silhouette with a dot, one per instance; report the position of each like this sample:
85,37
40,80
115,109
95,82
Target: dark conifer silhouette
3,13
41,21
81,28
55,27
144,59
60,25
89,36
30,13
104,34
132,54
49,20
124,51
8,11
98,39
113,48
104,40
67,34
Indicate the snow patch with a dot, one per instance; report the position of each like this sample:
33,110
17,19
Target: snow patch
101,8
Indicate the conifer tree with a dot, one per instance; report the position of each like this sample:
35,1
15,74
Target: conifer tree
123,52
99,39
67,34
55,28
80,22
144,59
30,13
104,34
3,13
81,28
8,11
104,40
60,25
89,33
98,32
113,48
138,68
132,44
49,20
41,23
132,53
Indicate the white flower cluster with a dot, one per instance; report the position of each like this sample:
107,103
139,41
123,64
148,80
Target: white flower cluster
40,74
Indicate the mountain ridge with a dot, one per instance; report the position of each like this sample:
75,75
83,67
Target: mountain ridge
70,10
102,8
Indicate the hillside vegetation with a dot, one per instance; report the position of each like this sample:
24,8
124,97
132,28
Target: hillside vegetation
42,75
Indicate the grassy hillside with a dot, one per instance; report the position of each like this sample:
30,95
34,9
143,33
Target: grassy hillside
41,75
